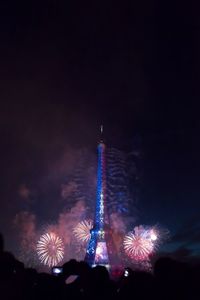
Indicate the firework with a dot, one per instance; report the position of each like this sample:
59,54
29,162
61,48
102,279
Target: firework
140,243
82,231
50,249
162,234
117,187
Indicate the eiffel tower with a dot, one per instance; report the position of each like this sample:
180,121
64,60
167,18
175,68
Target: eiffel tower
100,250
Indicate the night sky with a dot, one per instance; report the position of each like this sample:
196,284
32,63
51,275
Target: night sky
68,67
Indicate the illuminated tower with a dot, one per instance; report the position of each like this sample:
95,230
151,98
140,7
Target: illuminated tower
99,246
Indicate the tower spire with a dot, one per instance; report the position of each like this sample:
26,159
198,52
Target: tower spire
101,128
101,133
98,248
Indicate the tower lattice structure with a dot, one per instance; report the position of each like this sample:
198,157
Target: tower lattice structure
100,247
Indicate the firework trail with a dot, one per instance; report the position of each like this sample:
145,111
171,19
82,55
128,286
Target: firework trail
82,231
121,171
50,249
25,223
81,186
120,198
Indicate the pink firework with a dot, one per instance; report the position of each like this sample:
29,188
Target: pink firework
82,231
138,245
50,249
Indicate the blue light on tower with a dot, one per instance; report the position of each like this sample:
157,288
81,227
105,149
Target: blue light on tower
97,251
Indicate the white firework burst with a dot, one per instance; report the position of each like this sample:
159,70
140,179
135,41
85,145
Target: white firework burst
50,249
139,245
82,231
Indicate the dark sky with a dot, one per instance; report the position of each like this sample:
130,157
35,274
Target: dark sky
68,66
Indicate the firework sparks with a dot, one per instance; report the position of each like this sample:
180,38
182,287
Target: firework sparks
153,235
82,231
140,243
137,247
50,249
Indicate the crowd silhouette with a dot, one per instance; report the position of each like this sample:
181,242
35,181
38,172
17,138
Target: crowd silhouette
170,279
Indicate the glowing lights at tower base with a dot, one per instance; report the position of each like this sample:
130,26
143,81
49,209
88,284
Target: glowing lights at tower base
101,255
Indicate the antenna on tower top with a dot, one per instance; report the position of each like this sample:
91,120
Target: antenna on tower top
101,133
101,128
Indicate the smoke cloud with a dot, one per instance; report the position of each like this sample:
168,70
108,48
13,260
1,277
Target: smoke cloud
65,195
